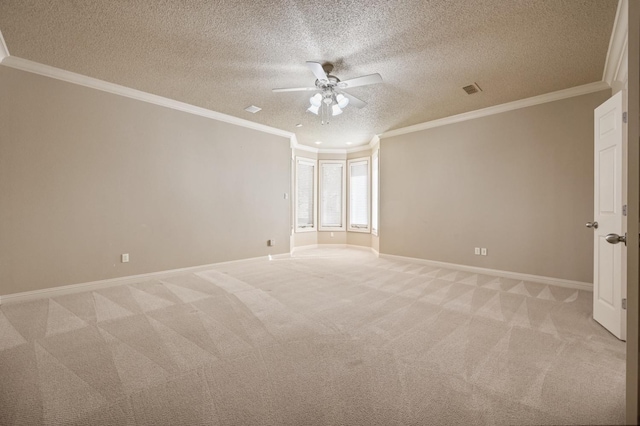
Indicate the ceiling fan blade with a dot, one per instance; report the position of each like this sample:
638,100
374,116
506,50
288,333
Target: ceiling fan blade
360,81
317,70
358,103
295,89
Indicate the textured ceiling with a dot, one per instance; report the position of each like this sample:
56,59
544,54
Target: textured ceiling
226,55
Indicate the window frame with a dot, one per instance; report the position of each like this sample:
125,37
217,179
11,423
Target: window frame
375,230
359,228
314,163
343,207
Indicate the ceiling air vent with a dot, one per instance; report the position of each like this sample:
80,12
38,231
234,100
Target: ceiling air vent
252,109
472,88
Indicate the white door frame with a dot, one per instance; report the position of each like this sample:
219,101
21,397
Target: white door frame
633,210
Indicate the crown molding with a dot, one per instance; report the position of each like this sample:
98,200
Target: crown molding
615,70
307,148
296,145
94,83
615,65
293,141
622,73
497,109
375,140
332,151
358,149
4,51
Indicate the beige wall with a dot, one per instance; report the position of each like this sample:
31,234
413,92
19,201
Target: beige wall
375,243
359,154
325,237
86,175
359,239
331,156
519,183
305,154
305,238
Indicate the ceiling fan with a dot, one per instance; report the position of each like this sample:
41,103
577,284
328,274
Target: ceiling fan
331,94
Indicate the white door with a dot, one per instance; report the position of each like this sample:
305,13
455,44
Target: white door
607,255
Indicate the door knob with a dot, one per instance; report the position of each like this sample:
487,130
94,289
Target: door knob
615,238
593,225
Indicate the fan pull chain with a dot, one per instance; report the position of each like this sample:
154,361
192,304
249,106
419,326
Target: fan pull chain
325,112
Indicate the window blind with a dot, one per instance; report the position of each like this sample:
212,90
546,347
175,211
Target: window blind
304,195
359,194
331,212
374,193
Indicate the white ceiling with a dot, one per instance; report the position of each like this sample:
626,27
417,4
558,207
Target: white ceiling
226,55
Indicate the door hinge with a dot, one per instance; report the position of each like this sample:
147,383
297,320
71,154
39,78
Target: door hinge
624,210
624,304
624,117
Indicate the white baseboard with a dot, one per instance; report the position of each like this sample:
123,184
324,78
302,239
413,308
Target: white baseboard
365,248
315,246
559,282
302,248
110,282
94,285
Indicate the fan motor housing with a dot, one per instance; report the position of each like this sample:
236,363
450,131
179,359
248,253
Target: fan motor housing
331,81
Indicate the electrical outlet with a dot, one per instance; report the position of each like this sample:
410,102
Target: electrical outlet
286,196
477,251
125,258
332,235
271,243
483,251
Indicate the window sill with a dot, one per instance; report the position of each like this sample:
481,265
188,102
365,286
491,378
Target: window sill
298,230
360,230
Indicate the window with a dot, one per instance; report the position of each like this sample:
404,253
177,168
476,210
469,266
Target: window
332,195
375,182
305,194
359,195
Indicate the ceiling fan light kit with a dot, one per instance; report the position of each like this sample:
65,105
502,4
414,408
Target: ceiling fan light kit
316,99
342,101
320,103
332,99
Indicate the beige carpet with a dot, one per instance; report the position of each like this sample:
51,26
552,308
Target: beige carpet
330,337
